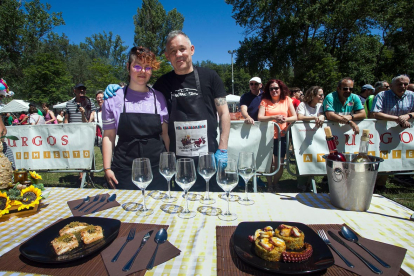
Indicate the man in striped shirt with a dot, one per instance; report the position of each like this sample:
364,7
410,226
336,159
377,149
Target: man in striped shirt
395,104
80,108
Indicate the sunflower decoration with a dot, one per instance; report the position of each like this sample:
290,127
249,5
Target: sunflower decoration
35,175
4,204
30,197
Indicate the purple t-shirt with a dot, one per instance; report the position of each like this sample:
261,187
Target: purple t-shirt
135,102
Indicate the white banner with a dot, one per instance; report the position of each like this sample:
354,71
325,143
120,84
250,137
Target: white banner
257,138
387,140
53,147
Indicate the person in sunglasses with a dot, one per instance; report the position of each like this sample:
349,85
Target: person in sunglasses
343,106
277,106
250,101
139,116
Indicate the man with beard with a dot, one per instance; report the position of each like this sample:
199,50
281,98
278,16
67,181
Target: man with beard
343,106
80,108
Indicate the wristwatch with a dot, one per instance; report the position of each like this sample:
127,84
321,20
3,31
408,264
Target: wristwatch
349,122
409,115
352,116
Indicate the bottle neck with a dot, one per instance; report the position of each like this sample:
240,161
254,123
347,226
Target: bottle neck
363,147
331,144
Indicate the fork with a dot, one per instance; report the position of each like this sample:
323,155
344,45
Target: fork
130,237
323,236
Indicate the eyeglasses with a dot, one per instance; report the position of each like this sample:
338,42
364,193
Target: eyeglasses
99,99
138,68
274,88
254,83
347,88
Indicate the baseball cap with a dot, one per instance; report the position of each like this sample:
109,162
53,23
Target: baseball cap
367,86
79,85
256,79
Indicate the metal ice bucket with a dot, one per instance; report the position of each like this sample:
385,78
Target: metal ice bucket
351,185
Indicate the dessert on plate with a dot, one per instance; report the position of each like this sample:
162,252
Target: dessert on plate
286,243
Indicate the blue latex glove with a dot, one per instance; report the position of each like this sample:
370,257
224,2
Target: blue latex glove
221,154
110,91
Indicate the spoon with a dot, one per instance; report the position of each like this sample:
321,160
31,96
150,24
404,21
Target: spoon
85,200
160,237
110,199
350,236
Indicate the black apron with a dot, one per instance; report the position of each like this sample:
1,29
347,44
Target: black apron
139,136
192,108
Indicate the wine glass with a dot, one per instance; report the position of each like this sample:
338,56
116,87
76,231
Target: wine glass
185,178
142,177
207,168
227,179
247,168
168,169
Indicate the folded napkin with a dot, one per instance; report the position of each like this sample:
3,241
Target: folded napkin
392,255
72,204
166,251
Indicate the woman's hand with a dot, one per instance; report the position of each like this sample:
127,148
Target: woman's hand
280,119
319,120
111,179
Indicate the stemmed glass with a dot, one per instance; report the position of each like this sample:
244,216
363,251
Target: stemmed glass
247,168
185,178
142,177
207,168
227,179
168,169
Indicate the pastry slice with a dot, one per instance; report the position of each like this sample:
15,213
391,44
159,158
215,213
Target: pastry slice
91,233
73,227
64,243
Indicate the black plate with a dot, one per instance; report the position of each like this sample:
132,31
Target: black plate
321,258
39,249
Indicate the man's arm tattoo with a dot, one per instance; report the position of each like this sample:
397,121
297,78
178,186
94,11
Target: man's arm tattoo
220,101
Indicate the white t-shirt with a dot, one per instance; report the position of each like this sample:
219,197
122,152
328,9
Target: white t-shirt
37,119
307,110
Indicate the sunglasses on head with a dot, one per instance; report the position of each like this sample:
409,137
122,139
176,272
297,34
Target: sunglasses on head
254,83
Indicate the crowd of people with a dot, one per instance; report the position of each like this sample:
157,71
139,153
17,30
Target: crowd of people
276,102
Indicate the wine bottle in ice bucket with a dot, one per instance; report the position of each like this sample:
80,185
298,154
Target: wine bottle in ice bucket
334,154
363,148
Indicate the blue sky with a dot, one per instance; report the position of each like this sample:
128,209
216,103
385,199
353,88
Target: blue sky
209,24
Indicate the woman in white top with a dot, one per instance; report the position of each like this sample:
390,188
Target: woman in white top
311,108
34,118
60,117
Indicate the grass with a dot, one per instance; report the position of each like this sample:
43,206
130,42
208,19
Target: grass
403,194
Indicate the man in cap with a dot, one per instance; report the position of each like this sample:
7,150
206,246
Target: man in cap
80,108
343,106
366,91
250,101
379,87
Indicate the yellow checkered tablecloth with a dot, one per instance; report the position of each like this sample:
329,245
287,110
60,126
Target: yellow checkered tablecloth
385,221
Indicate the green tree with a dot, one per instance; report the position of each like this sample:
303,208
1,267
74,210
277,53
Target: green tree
47,79
101,74
23,30
152,25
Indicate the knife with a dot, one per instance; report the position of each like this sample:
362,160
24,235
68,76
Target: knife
129,264
370,266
